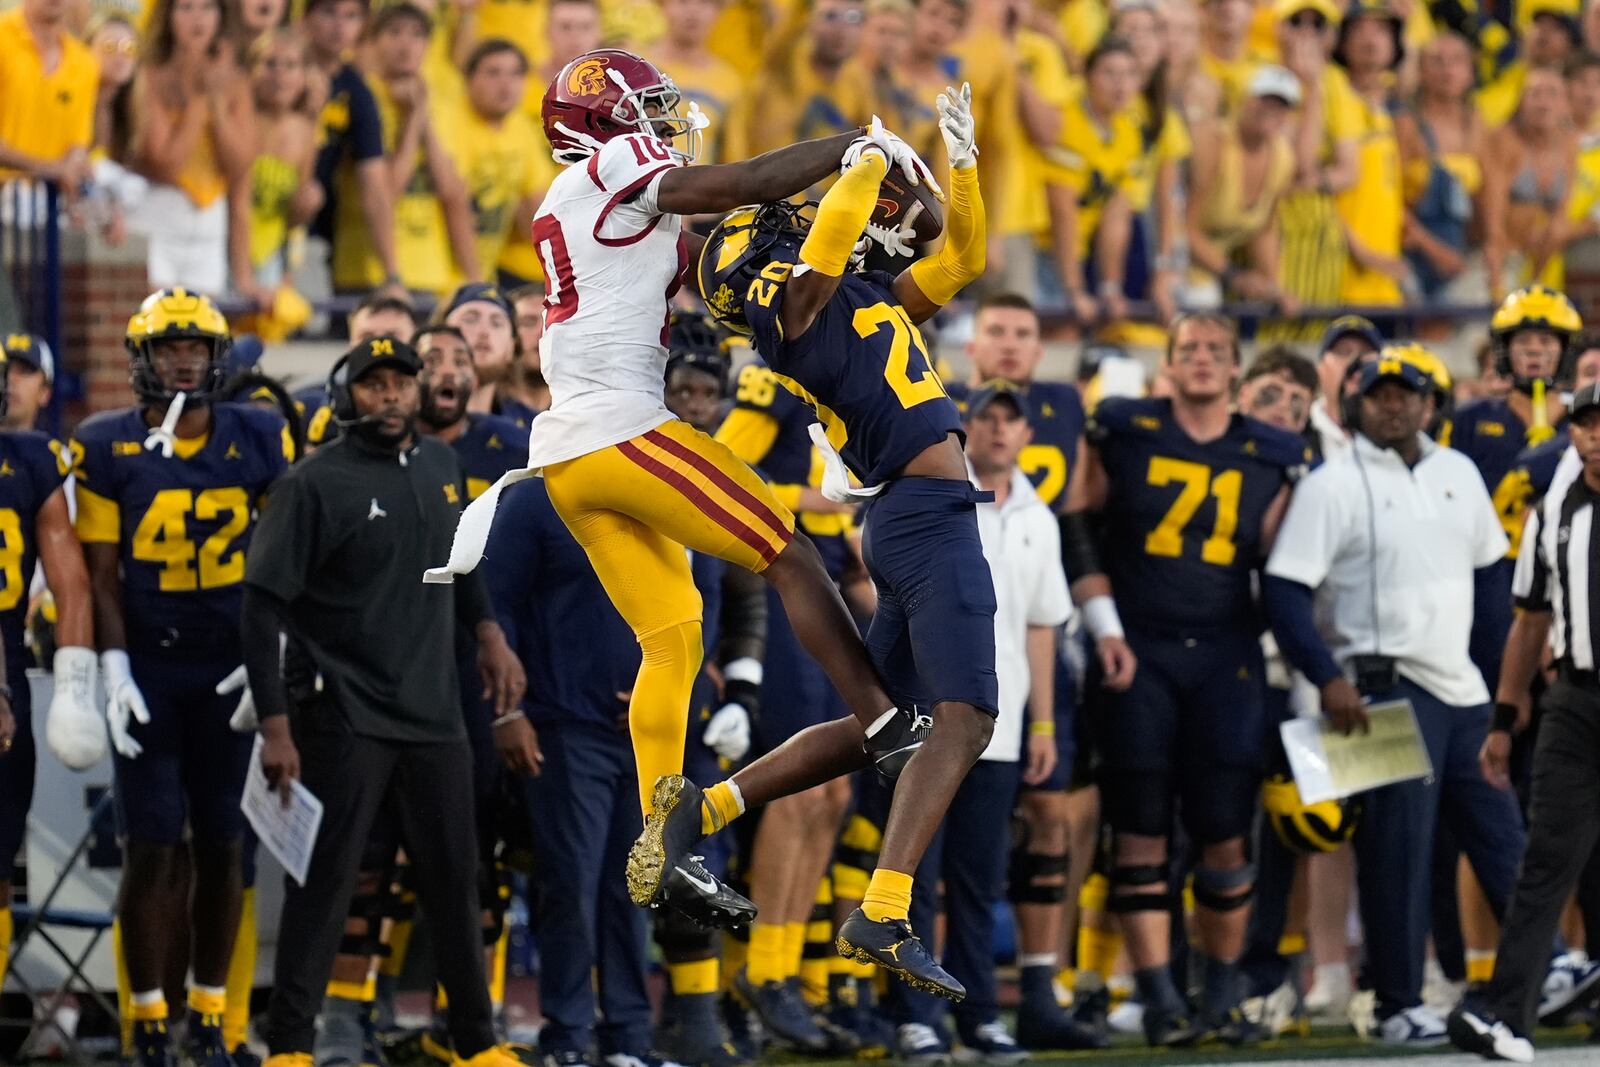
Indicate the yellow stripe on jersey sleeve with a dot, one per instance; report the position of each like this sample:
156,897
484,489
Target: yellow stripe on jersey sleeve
749,434
98,519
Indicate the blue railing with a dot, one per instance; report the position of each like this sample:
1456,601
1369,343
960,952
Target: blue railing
30,250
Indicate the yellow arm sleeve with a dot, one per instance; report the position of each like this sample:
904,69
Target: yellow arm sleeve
961,258
842,216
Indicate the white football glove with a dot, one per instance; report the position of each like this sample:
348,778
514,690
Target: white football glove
897,151
957,127
728,732
895,240
124,702
73,728
244,719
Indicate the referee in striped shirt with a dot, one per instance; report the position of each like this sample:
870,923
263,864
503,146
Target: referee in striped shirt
1559,601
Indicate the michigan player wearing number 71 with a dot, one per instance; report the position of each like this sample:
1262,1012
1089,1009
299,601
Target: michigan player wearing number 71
846,342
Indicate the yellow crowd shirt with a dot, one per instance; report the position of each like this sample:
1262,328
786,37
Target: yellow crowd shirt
273,182
1094,163
44,114
1373,209
1024,210
714,87
518,257
500,165
421,242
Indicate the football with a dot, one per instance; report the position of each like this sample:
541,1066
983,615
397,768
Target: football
912,207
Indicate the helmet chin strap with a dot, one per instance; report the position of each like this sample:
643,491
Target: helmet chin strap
574,155
165,436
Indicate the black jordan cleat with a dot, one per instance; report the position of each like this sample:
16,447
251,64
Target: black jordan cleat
892,747
891,945
1169,1029
661,869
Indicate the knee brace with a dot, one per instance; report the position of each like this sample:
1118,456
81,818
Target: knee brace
368,908
1120,899
1037,877
1217,889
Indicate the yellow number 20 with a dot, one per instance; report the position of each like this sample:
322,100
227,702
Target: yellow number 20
897,371
1167,538
163,538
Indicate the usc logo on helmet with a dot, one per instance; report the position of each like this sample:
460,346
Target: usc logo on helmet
588,78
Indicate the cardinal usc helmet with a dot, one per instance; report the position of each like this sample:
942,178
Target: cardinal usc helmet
607,93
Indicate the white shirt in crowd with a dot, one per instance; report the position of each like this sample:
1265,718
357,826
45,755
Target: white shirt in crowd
1022,544
1334,440
1434,524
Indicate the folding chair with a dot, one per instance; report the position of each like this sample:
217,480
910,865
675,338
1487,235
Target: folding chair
34,922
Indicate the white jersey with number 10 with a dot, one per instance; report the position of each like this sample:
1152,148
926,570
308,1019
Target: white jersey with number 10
612,263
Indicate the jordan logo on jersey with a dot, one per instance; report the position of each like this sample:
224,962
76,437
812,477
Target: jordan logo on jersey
232,452
376,511
6,469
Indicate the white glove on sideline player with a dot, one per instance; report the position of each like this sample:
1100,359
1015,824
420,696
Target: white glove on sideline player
73,729
243,720
124,702
728,732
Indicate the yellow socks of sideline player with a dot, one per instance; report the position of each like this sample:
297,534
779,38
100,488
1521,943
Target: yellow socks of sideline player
5,939
765,961
888,896
721,805
241,975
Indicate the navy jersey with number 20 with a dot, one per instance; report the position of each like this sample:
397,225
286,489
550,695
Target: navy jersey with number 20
861,365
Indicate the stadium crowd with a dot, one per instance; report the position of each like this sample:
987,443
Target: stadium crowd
1136,159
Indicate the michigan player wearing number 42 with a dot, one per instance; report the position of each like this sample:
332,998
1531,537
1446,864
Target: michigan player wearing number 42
167,492
1189,496
846,342
635,485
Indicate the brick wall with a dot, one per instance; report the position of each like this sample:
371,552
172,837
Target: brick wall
101,288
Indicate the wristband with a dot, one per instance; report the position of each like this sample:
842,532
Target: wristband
1505,717
510,716
1042,728
1101,618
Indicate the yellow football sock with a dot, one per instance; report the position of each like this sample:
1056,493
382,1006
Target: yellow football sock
850,968
124,989
794,946
721,805
888,895
669,665
365,991
399,942
854,858
5,940
208,1002
1092,896
694,977
241,975
1291,944
765,962
735,954
1098,950
1480,966
497,966
818,948
149,1011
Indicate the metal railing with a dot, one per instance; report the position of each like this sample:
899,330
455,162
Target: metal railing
31,285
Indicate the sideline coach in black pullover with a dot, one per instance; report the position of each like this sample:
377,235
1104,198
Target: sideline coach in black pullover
337,565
